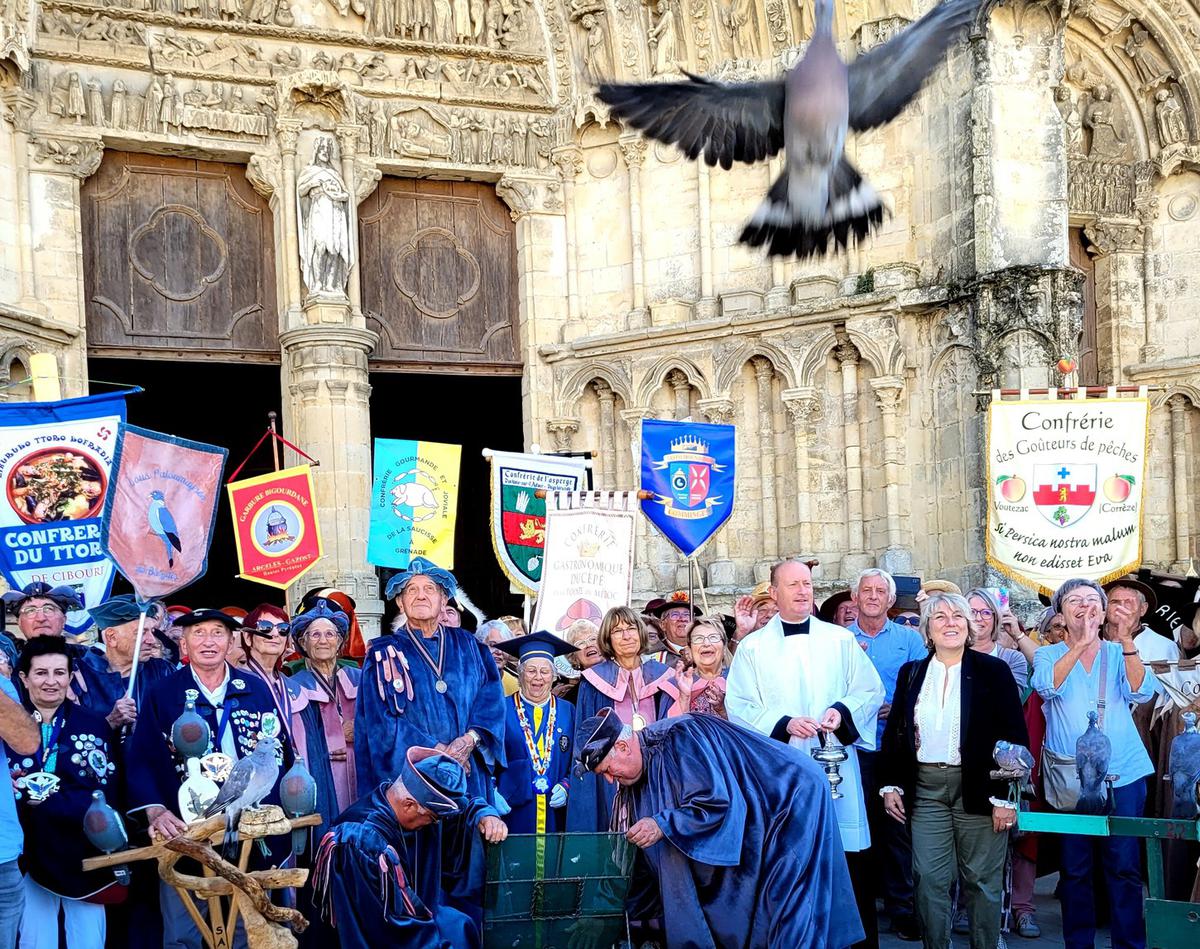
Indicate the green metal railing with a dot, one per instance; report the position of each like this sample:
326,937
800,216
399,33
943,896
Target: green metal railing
1170,924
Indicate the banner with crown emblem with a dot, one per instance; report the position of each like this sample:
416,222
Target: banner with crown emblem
275,526
519,515
689,468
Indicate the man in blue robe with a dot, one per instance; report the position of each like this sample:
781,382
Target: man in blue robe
431,686
752,857
537,739
101,676
368,878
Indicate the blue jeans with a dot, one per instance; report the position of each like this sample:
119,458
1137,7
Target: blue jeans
12,903
1121,860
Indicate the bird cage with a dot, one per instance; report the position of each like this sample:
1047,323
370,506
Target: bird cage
544,891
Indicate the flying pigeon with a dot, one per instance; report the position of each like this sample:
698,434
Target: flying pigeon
1093,751
104,828
1184,770
162,522
248,783
1013,758
807,113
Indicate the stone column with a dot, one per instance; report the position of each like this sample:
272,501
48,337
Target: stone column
764,373
608,460
19,109
328,415
569,159
804,407
888,392
721,571
289,136
706,306
855,557
1182,497
643,575
633,147
348,140
1119,248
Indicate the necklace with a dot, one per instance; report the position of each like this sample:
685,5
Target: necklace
638,721
436,667
539,761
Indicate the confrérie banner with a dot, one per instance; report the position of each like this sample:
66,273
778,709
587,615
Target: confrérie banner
55,464
1065,488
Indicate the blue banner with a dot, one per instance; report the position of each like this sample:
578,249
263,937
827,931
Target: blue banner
414,502
689,467
55,466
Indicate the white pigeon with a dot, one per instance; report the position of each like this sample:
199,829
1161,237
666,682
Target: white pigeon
250,781
808,113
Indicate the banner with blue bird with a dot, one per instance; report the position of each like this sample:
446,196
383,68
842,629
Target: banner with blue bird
689,468
161,508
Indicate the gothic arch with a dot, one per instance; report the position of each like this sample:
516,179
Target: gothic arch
881,350
732,364
658,372
814,357
575,383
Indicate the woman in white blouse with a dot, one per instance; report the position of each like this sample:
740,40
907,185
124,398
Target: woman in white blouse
948,712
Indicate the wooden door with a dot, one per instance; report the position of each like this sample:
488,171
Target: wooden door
1089,366
179,258
439,276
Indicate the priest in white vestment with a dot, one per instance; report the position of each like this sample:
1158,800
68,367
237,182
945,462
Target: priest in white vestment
799,676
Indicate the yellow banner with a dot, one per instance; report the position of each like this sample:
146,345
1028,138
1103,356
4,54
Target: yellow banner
1065,488
414,502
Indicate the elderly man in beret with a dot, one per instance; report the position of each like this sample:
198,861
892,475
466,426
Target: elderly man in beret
41,609
367,876
433,686
102,675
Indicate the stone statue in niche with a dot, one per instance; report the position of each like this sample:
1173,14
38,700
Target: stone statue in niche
1168,117
588,16
736,19
1106,18
1100,119
324,206
118,107
665,55
96,111
1151,68
1072,120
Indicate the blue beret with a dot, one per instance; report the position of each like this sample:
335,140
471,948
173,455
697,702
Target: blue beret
420,567
320,610
436,781
115,611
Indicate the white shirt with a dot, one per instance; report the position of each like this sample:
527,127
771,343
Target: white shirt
216,698
938,714
775,676
1152,647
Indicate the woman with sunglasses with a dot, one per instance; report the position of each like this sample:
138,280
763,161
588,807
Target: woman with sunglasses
266,642
700,678
323,711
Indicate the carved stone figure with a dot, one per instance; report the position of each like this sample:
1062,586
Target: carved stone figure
76,106
229,9
1168,116
443,21
283,14
595,50
1107,140
381,18
478,19
118,110
96,111
737,22
325,253
664,39
287,59
376,68
152,106
1151,68
1072,120
168,113
1106,18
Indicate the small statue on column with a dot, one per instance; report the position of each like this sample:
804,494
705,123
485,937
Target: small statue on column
326,255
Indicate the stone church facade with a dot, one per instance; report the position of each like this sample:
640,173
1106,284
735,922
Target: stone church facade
1044,196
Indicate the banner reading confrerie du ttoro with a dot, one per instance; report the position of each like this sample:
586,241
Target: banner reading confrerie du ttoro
1065,488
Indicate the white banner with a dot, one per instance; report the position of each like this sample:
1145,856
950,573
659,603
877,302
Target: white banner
1065,488
588,565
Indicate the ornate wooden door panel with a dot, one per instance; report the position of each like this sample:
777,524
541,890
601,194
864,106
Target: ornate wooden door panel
179,255
439,276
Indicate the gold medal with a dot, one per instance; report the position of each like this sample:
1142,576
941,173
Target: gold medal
638,722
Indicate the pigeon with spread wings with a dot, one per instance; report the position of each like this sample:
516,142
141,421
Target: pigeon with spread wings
807,113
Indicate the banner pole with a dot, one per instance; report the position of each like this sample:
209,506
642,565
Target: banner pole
528,614
137,653
700,580
271,416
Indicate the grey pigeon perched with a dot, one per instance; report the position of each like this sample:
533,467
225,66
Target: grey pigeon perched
104,828
1184,770
248,783
808,113
1014,758
1093,751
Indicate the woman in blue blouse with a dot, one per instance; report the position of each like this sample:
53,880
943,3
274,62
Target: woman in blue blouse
1085,674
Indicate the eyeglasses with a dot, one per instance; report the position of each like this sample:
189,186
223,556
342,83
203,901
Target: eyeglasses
1081,601
908,620
982,614
713,639
323,634
584,643
47,609
678,614
624,629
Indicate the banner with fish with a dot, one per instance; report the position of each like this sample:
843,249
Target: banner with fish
275,526
1065,487
414,502
161,509
519,515
588,557
689,468
55,464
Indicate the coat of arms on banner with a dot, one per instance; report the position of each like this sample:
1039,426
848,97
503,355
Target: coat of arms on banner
690,468
519,515
1064,493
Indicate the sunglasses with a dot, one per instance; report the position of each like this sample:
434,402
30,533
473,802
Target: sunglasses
908,620
267,628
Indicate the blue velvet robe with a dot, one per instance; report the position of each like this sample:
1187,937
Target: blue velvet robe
373,891
399,707
55,844
589,803
516,781
751,856
97,687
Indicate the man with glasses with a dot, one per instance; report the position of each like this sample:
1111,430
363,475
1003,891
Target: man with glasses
889,645
41,609
676,614
1080,676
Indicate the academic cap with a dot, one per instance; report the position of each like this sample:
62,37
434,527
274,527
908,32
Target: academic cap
539,645
602,732
436,781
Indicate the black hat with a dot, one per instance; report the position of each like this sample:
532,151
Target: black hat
1133,583
602,732
676,600
539,645
64,596
829,608
204,615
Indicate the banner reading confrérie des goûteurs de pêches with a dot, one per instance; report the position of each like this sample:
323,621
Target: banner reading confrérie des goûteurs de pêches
1065,488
